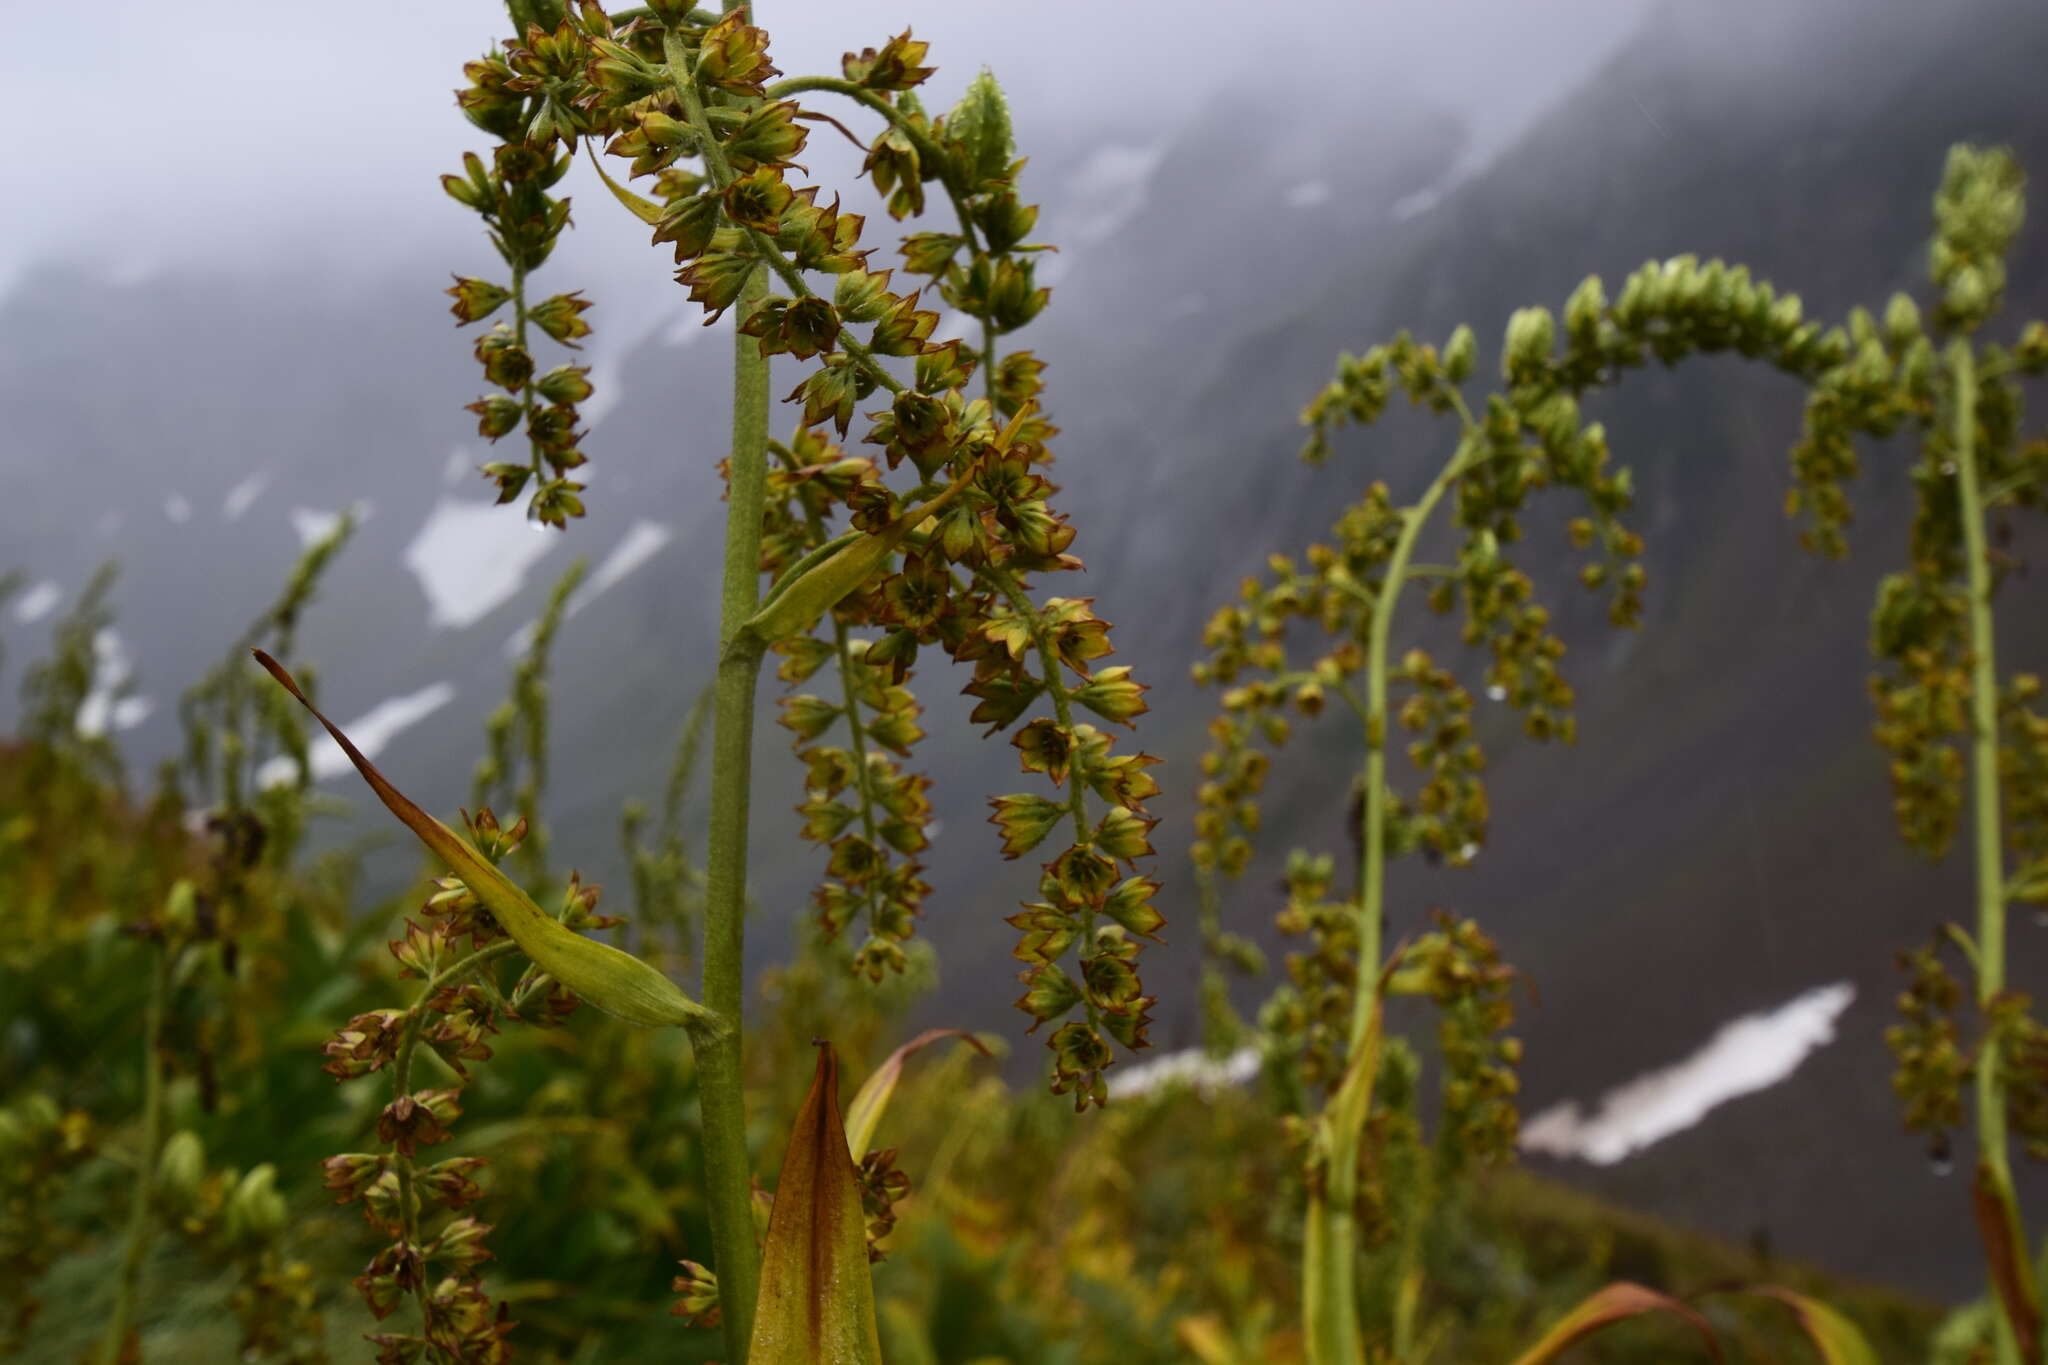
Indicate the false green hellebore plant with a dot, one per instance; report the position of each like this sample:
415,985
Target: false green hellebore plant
940,554
1932,626
1945,718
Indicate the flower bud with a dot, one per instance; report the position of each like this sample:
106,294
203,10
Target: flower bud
1459,354
1901,321
255,1211
496,415
1526,348
475,300
179,1169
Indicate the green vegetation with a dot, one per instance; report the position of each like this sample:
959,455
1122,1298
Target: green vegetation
163,1206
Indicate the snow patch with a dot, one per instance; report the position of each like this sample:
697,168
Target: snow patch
312,523
471,557
1110,189
1416,204
243,496
1749,1054
112,667
130,712
1192,1067
371,731
38,602
643,542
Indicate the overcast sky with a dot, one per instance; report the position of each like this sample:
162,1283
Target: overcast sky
208,132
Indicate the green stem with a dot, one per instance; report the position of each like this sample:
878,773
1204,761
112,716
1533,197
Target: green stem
727,1170
1330,1270
136,1244
728,1173
1373,826
1988,827
525,390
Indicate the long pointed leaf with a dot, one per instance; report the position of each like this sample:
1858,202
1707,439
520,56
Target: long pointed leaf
1608,1306
646,210
1329,1289
817,1303
2006,1250
613,981
1833,1335
864,1115
802,598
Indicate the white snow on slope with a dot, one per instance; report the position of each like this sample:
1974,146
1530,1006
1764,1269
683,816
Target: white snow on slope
471,557
1748,1054
371,731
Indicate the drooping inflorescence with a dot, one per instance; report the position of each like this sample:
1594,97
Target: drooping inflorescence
690,103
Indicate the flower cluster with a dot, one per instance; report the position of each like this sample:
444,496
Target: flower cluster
452,1018
1530,435
514,96
859,802
1459,968
689,103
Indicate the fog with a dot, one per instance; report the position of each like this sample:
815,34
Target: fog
315,134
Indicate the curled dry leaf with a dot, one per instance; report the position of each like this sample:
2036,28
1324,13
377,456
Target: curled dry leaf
1833,1335
1610,1305
864,1115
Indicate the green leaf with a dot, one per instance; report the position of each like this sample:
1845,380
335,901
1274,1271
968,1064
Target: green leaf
817,1304
1610,1305
2005,1249
1834,1336
616,982
1328,1306
791,609
864,1115
646,210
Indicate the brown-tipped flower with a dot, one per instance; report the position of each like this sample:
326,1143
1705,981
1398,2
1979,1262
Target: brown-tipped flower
475,299
418,1120
352,1173
894,67
561,317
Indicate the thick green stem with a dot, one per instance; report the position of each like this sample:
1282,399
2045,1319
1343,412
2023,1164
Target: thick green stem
519,335
149,1144
1986,845
728,1174
721,1089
